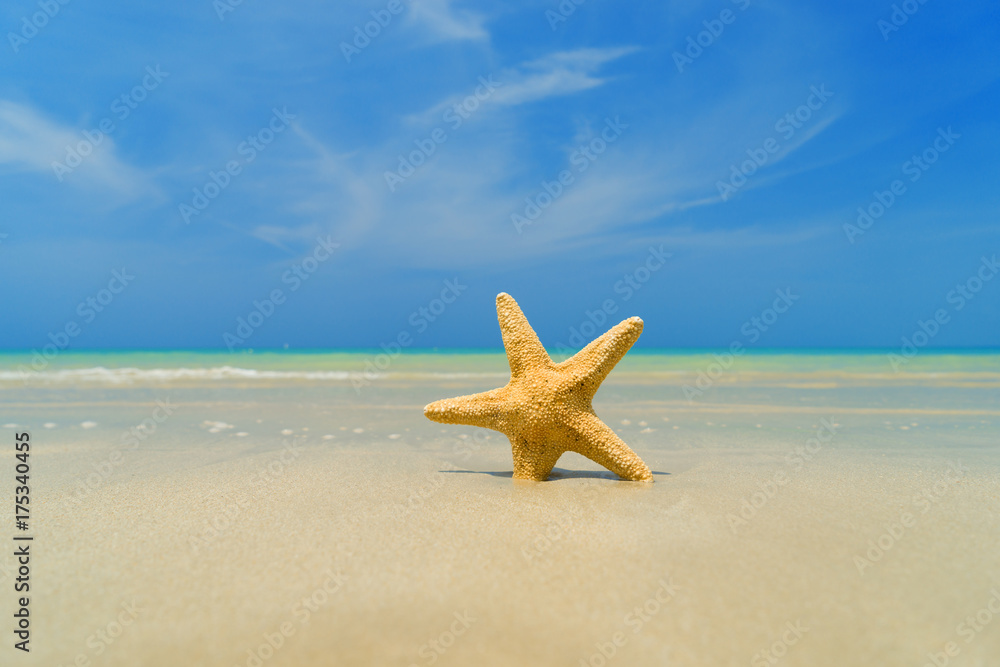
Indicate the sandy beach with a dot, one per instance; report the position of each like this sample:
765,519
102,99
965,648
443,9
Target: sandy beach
724,278
812,511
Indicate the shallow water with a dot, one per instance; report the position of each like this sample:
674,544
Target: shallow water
822,507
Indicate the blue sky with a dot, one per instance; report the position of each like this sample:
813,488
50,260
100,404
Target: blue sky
641,122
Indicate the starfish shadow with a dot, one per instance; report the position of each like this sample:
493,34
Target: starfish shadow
556,474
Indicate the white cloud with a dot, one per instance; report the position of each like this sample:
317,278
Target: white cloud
329,194
562,73
444,22
456,208
30,142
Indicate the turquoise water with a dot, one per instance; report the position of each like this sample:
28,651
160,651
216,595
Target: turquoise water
857,380
15,365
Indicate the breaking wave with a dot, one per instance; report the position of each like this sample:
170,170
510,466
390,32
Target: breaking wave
104,375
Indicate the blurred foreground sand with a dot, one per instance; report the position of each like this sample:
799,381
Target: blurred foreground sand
399,541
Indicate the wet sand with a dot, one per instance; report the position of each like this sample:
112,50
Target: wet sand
823,518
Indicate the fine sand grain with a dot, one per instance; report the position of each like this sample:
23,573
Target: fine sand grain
805,523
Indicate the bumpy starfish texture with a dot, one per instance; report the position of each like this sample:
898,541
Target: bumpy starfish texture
545,409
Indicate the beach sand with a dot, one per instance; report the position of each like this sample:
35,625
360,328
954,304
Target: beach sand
806,511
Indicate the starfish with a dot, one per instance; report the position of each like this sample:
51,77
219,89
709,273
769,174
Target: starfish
545,409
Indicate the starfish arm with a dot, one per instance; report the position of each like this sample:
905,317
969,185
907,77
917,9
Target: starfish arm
524,350
534,456
600,444
486,409
593,363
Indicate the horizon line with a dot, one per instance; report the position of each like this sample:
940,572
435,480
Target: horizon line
498,350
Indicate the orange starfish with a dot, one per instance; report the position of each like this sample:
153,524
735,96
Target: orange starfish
545,409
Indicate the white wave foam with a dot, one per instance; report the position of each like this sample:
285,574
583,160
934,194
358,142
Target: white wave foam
101,374
132,375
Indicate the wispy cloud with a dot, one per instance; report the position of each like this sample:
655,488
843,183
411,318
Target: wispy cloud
464,182
557,74
457,209
32,143
561,73
331,196
440,20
